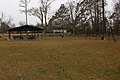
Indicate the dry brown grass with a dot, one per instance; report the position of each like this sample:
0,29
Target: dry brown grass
54,58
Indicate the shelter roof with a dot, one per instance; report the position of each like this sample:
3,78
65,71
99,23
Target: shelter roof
26,28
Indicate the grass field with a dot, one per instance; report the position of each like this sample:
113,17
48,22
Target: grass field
70,58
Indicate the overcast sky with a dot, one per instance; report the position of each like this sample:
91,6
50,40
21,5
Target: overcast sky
12,9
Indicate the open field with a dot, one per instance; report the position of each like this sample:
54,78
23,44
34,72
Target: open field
70,58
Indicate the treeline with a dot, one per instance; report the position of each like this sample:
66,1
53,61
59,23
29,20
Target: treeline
88,17
85,17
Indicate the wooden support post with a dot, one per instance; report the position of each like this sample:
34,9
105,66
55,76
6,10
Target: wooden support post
34,35
41,35
27,34
9,35
21,35
37,34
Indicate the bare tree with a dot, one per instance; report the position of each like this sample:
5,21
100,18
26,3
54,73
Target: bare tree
5,23
116,17
45,5
37,12
24,4
9,20
41,12
103,15
71,7
2,17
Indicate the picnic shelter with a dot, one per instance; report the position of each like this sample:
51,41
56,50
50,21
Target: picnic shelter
25,32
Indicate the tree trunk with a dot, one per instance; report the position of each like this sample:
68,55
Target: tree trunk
45,16
103,14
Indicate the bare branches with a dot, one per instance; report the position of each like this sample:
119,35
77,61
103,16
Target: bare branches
24,4
2,17
37,12
41,11
45,5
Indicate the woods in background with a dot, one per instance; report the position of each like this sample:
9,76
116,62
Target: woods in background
89,18
82,17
